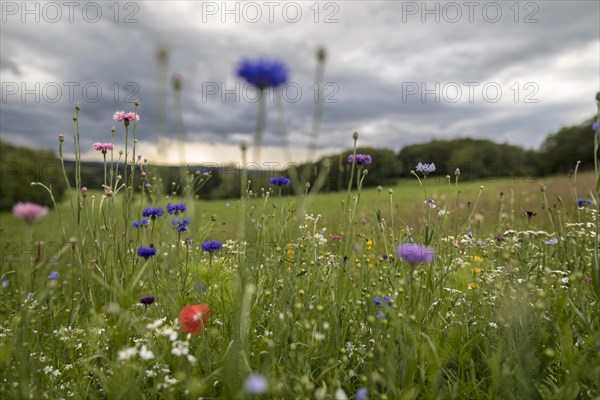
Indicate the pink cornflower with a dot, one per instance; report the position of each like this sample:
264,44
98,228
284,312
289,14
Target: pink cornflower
29,212
126,118
103,147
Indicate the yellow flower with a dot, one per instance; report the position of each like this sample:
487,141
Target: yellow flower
369,245
477,259
473,285
476,270
290,252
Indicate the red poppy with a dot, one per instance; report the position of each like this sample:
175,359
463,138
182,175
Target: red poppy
192,318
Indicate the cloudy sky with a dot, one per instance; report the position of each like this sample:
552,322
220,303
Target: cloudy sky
396,72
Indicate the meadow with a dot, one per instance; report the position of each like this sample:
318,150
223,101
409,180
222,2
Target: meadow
320,296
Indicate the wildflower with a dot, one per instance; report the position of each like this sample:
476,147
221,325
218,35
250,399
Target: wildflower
595,126
340,394
256,384
473,285
583,203
281,181
146,354
147,300
380,315
530,214
477,259
103,147
335,238
476,270
211,246
263,73
5,283
126,118
147,252
180,224
175,208
153,212
415,254
425,168
430,202
360,159
53,275
361,394
142,223
84,191
29,212
377,301
193,317
551,242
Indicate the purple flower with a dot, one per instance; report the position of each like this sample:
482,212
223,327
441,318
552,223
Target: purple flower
175,208
425,168
414,254
153,212
380,314
180,224
211,246
551,242
362,394
256,384
595,126
147,252
377,301
583,203
142,223
147,300
54,275
263,73
360,159
280,181
5,283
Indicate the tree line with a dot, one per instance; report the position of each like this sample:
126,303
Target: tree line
475,158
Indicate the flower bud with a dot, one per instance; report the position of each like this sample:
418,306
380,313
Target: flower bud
61,138
84,191
379,188
77,106
177,82
74,117
136,102
457,172
143,174
355,135
321,54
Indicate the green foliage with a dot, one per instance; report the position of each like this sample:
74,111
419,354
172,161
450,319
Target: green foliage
21,166
560,151
476,159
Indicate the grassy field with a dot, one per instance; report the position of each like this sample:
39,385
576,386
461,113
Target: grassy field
308,296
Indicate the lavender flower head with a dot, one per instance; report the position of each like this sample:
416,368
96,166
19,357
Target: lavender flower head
211,246
263,73
153,212
180,224
414,254
147,300
360,159
256,384
175,208
147,252
280,181
425,168
595,126
584,203
53,275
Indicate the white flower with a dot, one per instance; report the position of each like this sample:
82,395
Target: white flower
126,354
340,394
155,324
146,354
493,324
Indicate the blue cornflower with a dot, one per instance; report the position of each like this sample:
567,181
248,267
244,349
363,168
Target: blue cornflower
180,224
280,181
211,246
362,394
377,301
147,300
583,203
142,223
360,159
388,300
551,242
5,283
54,275
263,73
380,314
425,168
153,212
595,126
175,208
147,252
256,384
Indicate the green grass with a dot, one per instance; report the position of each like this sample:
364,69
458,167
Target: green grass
498,315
